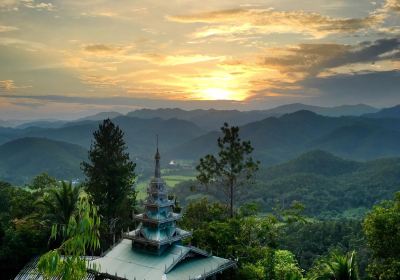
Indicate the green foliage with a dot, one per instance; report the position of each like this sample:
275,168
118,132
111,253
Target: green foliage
201,212
232,167
310,241
23,234
81,234
42,182
327,186
22,159
382,230
60,202
110,176
336,266
286,266
250,239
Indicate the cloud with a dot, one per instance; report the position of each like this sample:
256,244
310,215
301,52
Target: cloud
6,28
101,14
7,86
172,60
266,21
30,46
380,88
14,5
102,48
393,5
127,101
312,59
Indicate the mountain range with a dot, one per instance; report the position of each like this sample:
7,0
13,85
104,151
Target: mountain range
393,112
214,119
276,138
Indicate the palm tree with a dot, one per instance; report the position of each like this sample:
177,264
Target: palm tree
336,266
61,202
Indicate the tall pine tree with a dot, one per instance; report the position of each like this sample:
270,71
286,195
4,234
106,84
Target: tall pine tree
232,167
110,177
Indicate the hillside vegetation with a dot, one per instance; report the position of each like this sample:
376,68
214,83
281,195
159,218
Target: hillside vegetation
22,159
328,186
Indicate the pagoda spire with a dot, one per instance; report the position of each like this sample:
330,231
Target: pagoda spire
157,171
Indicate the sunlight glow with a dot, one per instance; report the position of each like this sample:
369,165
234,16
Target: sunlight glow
216,94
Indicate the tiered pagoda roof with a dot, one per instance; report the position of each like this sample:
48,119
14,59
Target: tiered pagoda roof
157,229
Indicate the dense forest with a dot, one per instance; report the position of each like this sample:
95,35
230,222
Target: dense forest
315,217
328,186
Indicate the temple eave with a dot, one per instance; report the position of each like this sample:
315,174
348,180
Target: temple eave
158,243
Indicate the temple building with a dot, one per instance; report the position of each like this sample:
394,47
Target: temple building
154,250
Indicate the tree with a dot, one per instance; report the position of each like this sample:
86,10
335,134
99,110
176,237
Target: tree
110,175
60,202
382,230
22,233
43,181
81,234
336,266
232,167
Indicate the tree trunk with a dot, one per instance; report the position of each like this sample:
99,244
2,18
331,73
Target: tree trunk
231,194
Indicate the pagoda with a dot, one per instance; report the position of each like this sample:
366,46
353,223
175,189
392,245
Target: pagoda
157,229
154,250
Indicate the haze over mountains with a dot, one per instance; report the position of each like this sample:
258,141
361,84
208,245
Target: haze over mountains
213,119
207,119
278,135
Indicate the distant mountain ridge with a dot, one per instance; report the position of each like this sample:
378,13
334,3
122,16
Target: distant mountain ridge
101,116
139,134
392,112
213,119
209,119
336,111
279,139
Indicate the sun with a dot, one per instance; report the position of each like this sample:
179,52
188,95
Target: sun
216,94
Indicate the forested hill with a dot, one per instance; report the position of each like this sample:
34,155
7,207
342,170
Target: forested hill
327,185
23,159
278,139
392,112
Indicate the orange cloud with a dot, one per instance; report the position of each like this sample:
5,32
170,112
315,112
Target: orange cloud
267,21
7,28
9,85
393,5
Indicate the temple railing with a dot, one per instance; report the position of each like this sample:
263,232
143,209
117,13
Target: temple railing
218,269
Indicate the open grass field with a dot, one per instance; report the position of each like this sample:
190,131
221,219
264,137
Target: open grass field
170,180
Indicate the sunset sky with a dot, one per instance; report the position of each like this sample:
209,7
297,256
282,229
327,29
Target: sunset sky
64,59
